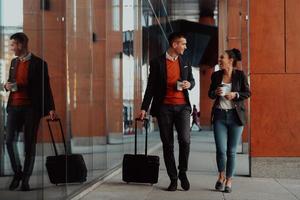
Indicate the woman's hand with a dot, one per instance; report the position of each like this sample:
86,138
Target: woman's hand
230,95
218,91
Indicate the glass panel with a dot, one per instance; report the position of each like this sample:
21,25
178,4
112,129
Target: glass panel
82,113
114,93
29,165
116,15
51,46
128,65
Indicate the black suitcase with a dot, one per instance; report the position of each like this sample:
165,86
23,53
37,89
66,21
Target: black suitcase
140,168
66,168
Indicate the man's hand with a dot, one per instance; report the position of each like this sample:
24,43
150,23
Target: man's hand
8,86
143,114
186,85
52,114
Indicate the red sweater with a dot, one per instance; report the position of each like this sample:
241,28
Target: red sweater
173,96
20,97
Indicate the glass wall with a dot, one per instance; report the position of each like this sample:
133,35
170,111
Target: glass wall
7,27
97,54
11,21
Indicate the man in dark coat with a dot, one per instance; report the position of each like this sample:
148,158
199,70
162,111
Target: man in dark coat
30,99
168,83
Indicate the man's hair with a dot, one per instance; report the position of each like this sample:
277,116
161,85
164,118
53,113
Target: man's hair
174,36
20,38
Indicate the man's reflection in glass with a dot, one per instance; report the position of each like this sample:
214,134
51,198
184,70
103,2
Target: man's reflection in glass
30,99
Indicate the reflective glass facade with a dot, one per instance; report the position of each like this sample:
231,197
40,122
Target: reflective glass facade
98,54
97,71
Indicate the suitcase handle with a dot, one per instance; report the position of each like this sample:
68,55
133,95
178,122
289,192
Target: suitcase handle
145,120
51,134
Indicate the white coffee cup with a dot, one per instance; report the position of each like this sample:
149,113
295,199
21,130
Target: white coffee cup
223,91
14,87
179,85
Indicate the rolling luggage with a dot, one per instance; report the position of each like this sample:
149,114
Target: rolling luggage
140,168
66,168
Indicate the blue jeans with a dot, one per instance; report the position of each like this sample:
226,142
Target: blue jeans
227,133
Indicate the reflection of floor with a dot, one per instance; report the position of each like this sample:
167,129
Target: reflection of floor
40,188
99,158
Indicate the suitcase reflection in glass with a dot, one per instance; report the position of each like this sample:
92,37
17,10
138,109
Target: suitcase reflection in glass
66,168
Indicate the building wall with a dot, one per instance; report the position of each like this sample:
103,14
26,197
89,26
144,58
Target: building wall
275,80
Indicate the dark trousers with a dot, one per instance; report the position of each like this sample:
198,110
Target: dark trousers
18,117
178,115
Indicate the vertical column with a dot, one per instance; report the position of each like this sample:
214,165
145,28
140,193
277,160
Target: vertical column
98,75
113,65
245,66
79,71
234,24
138,53
237,37
205,73
205,103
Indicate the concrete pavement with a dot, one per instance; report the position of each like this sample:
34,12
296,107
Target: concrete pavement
202,175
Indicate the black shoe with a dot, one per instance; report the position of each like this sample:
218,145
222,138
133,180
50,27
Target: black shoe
219,185
25,184
15,182
185,184
227,189
173,185
25,187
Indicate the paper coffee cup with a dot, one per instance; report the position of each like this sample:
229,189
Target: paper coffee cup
14,87
223,91
179,85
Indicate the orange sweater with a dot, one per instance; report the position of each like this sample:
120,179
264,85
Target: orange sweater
20,97
173,96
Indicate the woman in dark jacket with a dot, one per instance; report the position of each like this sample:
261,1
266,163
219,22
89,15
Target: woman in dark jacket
229,88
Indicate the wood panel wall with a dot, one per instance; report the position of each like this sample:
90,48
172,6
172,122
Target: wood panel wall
275,78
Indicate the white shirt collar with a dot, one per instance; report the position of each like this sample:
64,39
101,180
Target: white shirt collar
169,57
25,58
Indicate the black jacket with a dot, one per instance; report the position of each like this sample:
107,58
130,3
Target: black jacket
239,84
39,90
157,83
